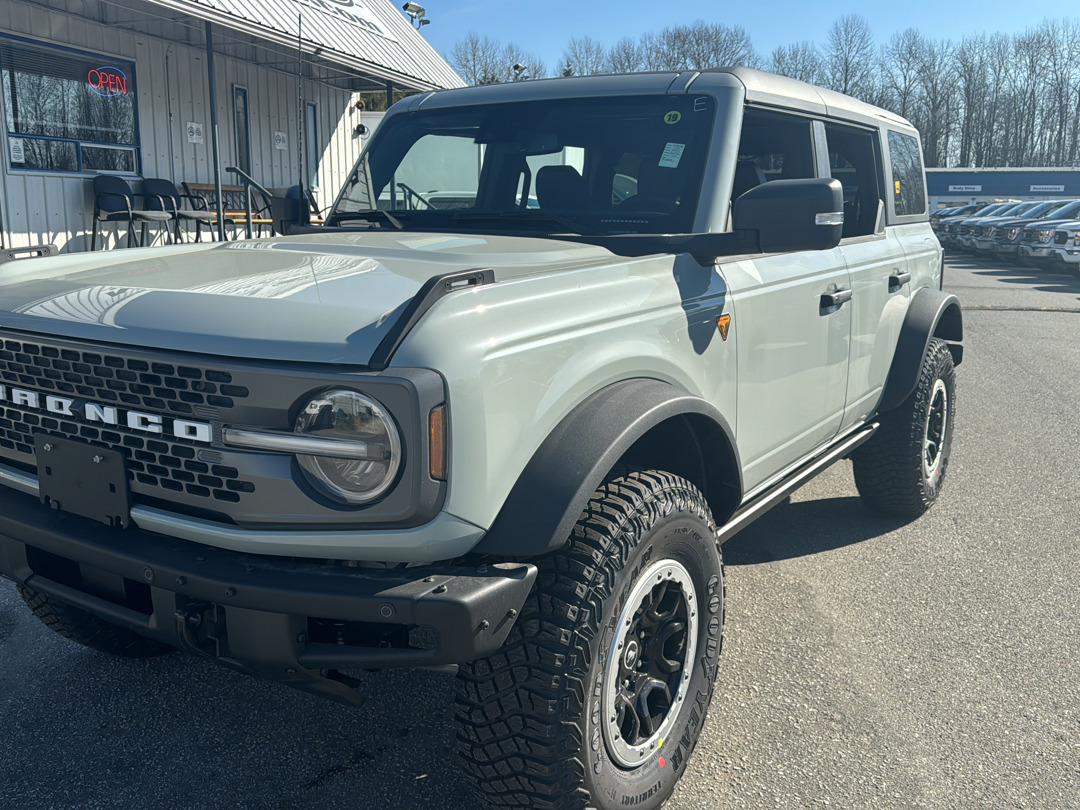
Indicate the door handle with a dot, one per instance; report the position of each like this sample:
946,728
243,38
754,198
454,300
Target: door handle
832,301
898,280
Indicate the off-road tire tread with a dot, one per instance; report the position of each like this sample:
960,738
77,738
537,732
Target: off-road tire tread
518,711
76,624
888,468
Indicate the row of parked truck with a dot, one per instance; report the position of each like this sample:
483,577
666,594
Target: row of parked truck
1043,234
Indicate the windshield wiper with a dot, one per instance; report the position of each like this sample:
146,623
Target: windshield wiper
538,216
368,215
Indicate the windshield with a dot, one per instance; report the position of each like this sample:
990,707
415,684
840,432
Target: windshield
1070,209
631,164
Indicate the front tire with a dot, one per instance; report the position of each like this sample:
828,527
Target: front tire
900,471
599,695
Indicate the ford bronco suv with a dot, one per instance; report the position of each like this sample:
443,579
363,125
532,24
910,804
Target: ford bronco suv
556,341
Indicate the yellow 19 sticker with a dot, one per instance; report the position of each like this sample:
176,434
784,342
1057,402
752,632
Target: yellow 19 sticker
673,117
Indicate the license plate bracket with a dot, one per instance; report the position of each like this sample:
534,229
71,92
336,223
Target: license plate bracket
83,479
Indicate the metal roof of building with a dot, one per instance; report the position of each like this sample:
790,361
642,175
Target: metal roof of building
369,36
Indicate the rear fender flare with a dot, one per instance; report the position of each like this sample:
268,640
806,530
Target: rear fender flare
932,313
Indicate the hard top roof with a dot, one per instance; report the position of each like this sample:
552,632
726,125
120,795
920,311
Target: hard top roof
762,88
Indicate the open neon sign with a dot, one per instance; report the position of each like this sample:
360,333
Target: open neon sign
107,81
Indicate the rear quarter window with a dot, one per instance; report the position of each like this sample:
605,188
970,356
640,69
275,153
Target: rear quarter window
908,183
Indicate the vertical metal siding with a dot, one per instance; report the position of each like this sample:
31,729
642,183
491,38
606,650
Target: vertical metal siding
40,208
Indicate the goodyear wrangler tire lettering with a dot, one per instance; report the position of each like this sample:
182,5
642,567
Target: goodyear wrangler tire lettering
627,597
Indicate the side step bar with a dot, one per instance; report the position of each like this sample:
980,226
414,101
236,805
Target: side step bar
751,511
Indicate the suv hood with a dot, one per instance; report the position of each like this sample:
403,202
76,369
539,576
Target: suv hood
324,298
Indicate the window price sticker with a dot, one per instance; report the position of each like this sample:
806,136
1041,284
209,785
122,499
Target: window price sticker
18,151
672,155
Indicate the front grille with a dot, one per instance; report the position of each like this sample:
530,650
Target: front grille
110,378
1061,237
158,466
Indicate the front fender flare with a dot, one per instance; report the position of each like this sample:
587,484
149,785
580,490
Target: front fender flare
932,313
574,459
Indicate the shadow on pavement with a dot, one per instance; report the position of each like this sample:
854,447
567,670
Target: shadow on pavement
808,527
1047,279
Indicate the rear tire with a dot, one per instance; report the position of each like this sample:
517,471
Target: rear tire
901,469
82,627
599,694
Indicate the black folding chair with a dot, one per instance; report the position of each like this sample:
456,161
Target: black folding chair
113,202
165,193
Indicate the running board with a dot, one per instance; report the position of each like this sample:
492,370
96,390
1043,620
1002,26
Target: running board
761,504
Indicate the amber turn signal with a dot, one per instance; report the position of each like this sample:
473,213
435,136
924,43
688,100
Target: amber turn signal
437,443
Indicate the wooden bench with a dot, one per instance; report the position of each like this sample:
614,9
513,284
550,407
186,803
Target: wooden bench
234,203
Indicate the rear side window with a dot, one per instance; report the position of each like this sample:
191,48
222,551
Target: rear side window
909,189
854,162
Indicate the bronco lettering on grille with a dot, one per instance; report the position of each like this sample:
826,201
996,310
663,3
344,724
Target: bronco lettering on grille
91,412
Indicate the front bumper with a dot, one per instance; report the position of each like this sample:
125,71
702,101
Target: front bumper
291,620
1033,251
1066,255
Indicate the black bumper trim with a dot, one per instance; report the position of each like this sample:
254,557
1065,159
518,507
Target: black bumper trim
263,603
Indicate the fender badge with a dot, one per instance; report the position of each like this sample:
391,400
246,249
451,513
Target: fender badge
722,323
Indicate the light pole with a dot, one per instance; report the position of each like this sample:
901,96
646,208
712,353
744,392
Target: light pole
417,13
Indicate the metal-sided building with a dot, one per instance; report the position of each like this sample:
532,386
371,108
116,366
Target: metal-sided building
963,186
125,87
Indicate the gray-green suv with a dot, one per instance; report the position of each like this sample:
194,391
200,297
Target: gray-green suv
556,342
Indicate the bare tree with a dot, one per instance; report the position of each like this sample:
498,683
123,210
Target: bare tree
533,65
901,60
703,45
627,56
969,64
936,100
478,59
799,61
584,56
849,57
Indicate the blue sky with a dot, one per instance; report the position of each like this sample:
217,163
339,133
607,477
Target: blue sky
543,27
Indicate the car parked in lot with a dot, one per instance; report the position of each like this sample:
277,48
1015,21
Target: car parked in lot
965,232
1004,234
954,211
456,431
1064,251
1033,249
981,233
949,227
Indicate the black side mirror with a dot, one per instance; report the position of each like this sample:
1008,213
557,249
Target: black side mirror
791,215
288,209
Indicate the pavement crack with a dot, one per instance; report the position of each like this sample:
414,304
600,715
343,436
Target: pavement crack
355,759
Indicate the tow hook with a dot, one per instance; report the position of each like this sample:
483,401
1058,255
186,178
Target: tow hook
188,621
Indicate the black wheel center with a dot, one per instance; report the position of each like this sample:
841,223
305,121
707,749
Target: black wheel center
650,662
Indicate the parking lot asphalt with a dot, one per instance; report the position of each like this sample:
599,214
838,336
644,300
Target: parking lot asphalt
868,663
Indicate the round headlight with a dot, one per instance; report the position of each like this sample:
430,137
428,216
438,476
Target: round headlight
371,447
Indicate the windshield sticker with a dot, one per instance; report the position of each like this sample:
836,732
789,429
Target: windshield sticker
673,117
672,155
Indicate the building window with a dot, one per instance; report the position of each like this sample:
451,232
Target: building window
68,111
